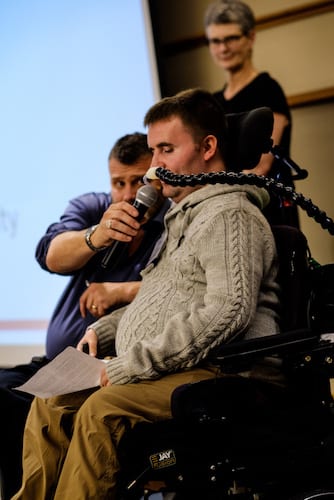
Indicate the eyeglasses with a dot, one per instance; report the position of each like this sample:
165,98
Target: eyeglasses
227,40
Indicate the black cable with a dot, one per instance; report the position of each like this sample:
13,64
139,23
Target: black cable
271,185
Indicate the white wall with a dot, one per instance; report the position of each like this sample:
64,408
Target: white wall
75,77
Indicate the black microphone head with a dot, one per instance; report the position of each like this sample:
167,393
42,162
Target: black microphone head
147,195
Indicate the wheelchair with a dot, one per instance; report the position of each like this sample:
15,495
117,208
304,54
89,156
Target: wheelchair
243,437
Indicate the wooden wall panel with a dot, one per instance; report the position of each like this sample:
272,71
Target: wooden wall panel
299,54
313,149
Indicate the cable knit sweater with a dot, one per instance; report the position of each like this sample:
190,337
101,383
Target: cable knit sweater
213,281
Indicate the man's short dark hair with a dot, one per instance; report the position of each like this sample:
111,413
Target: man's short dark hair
130,148
199,111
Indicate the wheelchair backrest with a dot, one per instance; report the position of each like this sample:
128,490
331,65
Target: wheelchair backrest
249,136
293,276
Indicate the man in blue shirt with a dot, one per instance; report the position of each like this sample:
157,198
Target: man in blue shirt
76,246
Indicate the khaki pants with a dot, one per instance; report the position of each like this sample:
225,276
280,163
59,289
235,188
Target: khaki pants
70,442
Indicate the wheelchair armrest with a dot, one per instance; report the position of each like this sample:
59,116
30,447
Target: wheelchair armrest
237,355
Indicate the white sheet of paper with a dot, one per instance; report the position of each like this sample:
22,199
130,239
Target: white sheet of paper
70,371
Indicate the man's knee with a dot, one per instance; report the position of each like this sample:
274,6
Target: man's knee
112,401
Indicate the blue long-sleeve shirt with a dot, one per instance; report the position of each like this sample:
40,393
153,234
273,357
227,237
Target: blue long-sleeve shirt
66,326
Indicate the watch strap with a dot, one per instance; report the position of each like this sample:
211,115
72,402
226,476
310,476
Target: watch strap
88,235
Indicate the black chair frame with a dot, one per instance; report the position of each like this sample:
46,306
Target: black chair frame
239,437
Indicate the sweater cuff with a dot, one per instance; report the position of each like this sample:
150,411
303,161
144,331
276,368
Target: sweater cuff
116,372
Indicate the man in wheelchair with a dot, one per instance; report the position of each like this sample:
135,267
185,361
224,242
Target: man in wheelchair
213,283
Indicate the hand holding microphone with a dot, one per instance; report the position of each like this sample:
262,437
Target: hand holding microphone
146,197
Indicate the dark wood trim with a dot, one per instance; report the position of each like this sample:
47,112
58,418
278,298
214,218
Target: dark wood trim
311,98
294,14
264,22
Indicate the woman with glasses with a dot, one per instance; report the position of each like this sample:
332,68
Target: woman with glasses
230,31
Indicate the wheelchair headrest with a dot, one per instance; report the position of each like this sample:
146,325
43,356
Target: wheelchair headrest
249,137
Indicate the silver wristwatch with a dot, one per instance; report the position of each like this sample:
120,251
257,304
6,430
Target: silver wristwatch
90,231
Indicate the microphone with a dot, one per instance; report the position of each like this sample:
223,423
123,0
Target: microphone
146,197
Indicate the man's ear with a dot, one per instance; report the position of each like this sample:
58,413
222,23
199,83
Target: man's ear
209,146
